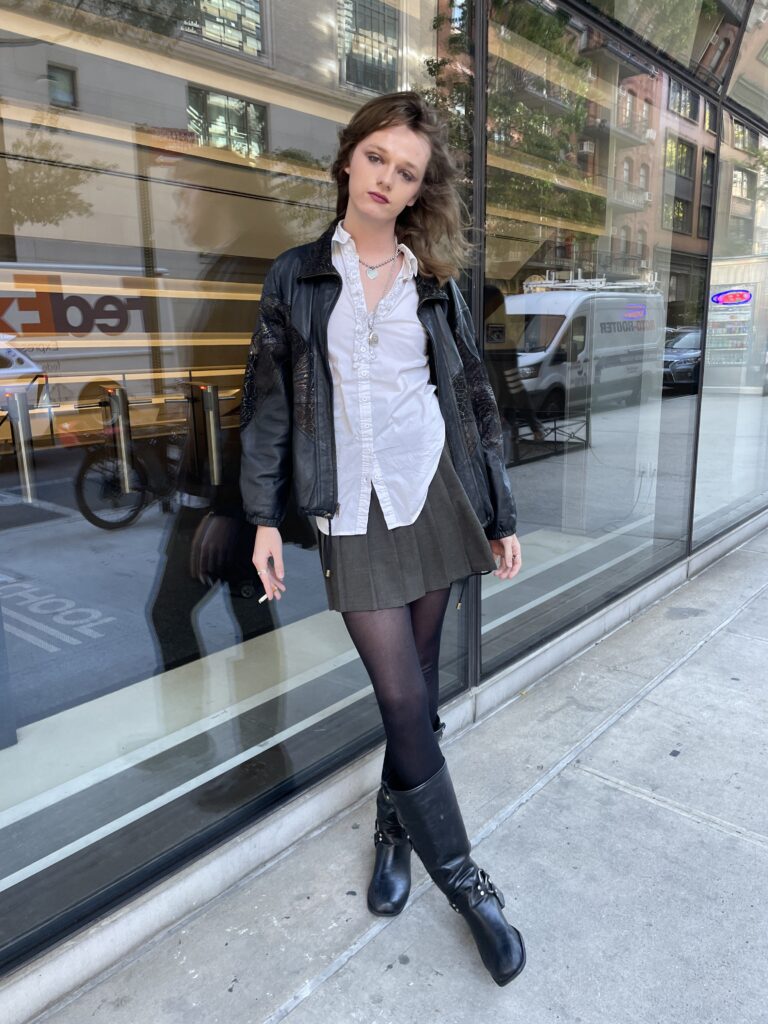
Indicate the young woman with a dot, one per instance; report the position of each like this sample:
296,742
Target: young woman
365,393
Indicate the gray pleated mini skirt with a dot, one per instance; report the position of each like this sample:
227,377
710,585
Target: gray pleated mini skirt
385,568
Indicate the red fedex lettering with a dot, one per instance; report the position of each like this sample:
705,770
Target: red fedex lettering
5,327
58,313
39,302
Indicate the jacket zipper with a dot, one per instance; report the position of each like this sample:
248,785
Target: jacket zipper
327,571
329,515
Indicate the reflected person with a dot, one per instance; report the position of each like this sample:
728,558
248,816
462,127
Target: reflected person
502,364
208,540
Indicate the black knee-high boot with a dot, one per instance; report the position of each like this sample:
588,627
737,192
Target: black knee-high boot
391,880
430,814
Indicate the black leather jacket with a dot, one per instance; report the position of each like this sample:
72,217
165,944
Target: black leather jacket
287,411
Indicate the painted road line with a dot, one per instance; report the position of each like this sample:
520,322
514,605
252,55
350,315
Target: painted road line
31,639
41,626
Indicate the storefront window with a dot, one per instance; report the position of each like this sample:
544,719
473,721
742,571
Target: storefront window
151,173
732,473
579,253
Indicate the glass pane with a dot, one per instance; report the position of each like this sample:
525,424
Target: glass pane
61,86
149,704
731,474
700,34
749,82
592,264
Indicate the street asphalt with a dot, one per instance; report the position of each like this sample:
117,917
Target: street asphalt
620,804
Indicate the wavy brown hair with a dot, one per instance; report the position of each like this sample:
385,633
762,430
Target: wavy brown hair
432,228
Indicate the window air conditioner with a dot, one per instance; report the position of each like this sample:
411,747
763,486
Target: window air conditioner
650,134
648,197
587,146
643,264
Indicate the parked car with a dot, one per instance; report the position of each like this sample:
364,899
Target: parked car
682,360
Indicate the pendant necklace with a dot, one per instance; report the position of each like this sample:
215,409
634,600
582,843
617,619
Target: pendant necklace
373,338
372,269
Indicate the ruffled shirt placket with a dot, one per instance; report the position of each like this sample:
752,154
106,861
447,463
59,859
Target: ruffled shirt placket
363,356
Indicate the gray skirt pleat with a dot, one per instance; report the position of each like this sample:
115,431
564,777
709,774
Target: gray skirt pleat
385,568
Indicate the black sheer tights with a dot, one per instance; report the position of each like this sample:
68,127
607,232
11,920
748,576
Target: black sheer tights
400,649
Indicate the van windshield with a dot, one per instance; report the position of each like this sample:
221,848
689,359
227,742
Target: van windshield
532,332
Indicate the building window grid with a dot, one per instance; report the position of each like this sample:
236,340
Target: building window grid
710,117
227,122
62,86
235,24
743,137
680,157
676,215
743,186
683,101
705,221
707,168
370,39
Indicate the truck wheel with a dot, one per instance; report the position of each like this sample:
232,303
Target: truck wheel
552,405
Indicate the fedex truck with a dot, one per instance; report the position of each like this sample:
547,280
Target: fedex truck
582,342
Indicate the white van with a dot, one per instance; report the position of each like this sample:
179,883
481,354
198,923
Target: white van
581,342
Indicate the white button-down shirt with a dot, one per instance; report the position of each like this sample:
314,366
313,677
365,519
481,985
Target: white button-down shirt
389,429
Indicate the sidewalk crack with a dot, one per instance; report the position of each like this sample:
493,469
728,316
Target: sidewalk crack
692,813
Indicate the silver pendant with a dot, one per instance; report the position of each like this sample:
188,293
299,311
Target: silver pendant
373,339
372,272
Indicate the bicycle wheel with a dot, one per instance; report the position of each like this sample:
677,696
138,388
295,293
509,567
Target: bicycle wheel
99,491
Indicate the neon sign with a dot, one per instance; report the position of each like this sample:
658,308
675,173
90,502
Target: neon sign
635,311
732,297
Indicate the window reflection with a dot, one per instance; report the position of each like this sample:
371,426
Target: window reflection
749,82
594,174
699,34
148,702
732,476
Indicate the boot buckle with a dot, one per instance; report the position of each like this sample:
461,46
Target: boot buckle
486,887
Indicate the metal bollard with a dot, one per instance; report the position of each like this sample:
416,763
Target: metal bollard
117,422
210,394
18,411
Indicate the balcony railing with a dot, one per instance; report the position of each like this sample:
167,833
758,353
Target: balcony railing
623,193
537,86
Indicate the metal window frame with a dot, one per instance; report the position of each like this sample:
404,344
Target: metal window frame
705,91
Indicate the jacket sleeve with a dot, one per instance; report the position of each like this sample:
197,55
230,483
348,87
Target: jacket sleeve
266,412
504,522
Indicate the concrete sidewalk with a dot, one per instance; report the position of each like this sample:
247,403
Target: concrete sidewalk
620,804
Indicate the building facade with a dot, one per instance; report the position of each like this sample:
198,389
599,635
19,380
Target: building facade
154,160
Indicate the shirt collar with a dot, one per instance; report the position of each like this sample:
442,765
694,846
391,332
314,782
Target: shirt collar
410,264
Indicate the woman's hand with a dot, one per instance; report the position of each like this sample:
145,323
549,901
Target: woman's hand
508,550
268,559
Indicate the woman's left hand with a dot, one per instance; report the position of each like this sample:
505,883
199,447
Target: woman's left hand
508,550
